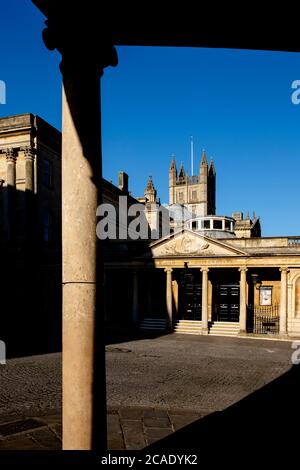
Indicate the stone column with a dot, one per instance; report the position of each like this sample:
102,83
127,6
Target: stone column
11,189
283,302
29,190
11,167
29,175
243,300
204,300
135,299
169,296
84,57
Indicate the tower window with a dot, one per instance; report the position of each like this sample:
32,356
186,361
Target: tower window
194,195
180,196
194,225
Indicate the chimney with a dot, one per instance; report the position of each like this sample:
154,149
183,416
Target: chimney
123,181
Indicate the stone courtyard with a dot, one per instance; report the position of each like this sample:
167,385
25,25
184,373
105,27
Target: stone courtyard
155,386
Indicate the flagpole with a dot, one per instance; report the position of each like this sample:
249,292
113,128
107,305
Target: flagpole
192,156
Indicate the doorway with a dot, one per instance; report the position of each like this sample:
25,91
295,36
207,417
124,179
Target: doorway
228,303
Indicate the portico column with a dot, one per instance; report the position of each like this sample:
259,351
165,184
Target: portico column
283,301
169,297
29,189
135,299
11,188
243,300
204,300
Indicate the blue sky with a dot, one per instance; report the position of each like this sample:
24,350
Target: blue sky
236,104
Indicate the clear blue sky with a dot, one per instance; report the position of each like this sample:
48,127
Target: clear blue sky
235,103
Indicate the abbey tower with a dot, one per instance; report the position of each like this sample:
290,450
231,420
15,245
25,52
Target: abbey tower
197,193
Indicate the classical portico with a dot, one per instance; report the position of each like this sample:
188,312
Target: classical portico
219,286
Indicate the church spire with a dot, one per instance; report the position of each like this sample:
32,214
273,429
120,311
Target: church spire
181,171
173,164
203,158
211,169
150,191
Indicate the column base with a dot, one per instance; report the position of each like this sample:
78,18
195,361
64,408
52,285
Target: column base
242,332
204,331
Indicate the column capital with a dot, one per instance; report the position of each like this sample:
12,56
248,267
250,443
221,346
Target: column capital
28,152
204,270
243,269
168,270
10,154
284,269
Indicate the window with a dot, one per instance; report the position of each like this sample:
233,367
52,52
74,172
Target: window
47,225
217,224
265,295
180,196
194,195
206,224
227,224
47,173
194,225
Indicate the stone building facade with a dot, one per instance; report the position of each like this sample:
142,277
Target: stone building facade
30,234
213,275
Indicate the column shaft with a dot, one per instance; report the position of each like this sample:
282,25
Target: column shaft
11,190
243,300
283,302
204,300
81,180
169,296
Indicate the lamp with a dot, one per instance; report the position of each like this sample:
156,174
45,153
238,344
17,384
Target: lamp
256,280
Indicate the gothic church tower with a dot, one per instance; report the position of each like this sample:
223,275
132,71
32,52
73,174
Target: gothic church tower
197,192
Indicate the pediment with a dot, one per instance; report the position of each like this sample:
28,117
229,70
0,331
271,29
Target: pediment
188,243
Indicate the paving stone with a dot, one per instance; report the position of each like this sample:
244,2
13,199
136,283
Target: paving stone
21,443
19,426
157,422
133,435
179,421
57,429
113,424
158,433
131,413
114,443
155,413
46,439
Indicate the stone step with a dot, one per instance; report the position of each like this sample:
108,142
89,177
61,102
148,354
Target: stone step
153,324
223,333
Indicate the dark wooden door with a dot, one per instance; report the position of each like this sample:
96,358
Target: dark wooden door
228,306
192,301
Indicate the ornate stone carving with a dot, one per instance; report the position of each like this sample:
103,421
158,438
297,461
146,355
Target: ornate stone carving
185,245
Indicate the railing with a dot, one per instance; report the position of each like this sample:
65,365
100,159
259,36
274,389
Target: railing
294,241
266,319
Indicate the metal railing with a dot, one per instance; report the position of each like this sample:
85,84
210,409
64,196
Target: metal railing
266,319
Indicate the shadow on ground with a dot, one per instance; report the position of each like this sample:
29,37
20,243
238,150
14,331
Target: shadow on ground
115,336
261,427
